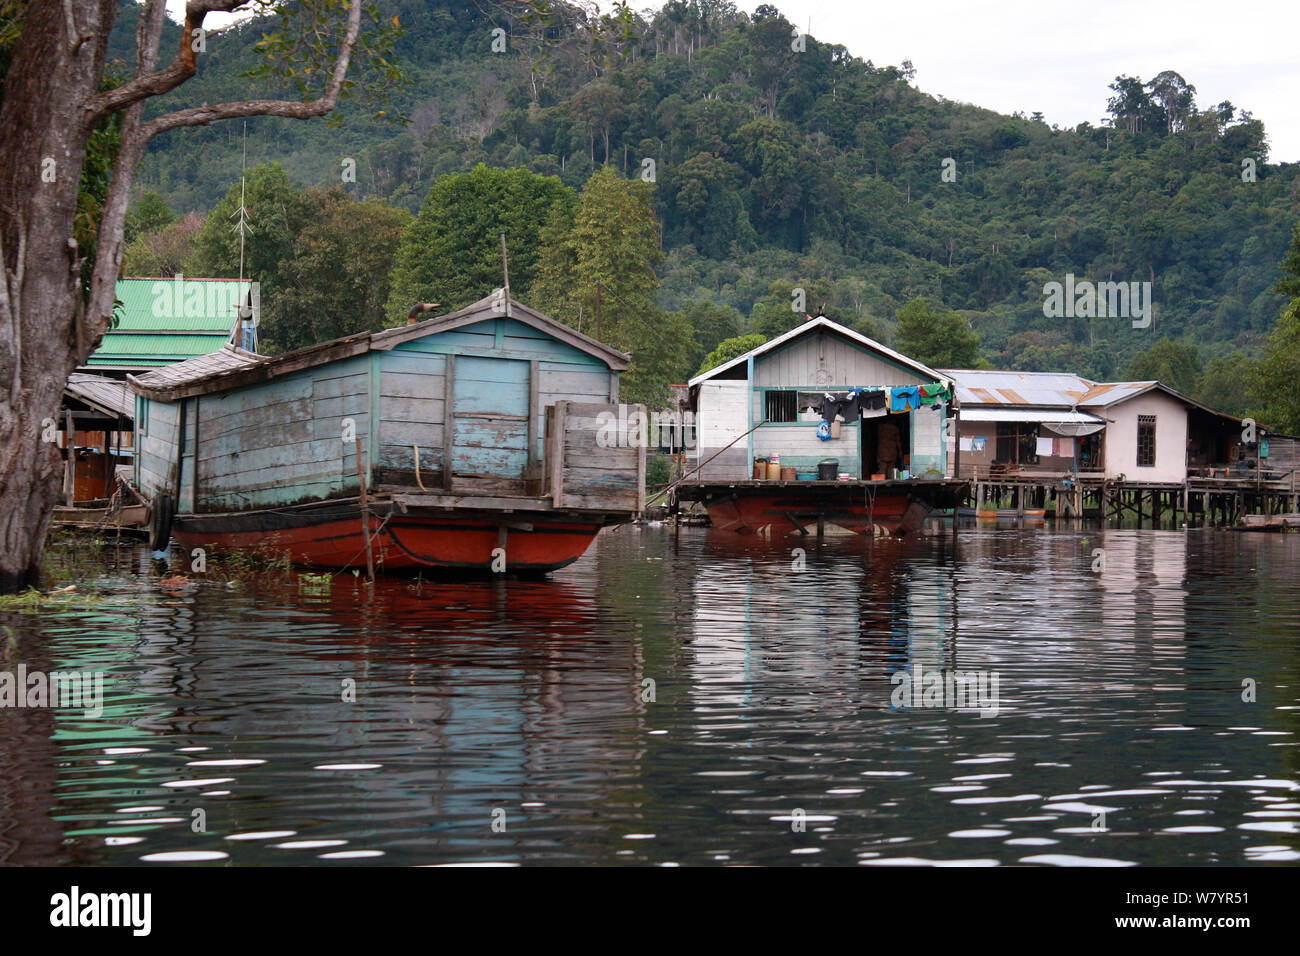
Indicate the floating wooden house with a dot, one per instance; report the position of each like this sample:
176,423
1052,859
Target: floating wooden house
481,439
820,427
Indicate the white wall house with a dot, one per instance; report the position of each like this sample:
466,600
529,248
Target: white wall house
817,356
1052,423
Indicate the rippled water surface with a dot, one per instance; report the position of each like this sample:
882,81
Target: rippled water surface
688,698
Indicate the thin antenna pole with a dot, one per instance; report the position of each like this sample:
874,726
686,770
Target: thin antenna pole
243,169
505,270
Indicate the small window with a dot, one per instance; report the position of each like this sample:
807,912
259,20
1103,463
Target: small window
782,406
1146,451
1017,443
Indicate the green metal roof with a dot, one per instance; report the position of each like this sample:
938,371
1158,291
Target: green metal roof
165,347
162,321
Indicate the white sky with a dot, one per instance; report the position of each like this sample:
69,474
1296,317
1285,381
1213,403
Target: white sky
1059,56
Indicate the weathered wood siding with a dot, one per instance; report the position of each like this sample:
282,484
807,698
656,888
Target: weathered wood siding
156,446
827,361
282,442
412,403
597,457
563,373
490,417
472,399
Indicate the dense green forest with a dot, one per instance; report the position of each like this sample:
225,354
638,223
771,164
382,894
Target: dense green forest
765,162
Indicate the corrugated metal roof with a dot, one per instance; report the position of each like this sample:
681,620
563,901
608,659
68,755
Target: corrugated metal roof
109,395
1108,393
993,387
162,321
1055,416
144,345
179,305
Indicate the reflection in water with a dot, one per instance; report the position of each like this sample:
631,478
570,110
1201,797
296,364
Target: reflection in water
685,698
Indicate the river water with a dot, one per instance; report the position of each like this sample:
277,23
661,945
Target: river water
688,698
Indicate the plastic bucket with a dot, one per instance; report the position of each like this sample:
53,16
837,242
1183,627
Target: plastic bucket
788,473
827,469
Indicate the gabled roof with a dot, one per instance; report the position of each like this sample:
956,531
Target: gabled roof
233,367
823,324
490,308
166,320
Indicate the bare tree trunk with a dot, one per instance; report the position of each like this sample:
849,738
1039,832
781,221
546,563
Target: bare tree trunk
56,68
52,103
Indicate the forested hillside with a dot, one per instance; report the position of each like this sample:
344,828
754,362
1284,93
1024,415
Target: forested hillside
772,162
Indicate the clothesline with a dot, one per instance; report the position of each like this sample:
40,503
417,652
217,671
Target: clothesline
874,402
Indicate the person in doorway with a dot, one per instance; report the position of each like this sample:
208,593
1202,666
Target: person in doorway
888,447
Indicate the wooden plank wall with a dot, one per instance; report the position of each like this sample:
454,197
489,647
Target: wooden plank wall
602,466
281,442
157,451
830,362
412,387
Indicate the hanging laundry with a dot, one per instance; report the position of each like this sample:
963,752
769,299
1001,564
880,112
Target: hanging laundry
904,399
810,402
1044,447
935,393
978,443
843,404
872,401
1065,448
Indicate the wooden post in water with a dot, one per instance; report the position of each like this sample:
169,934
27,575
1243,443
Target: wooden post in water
365,513
70,465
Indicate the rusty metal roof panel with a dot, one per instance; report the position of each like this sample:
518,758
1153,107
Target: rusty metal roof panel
995,387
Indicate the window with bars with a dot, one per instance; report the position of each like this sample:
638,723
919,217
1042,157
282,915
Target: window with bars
781,406
1146,450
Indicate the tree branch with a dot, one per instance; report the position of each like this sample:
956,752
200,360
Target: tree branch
157,83
136,136
202,115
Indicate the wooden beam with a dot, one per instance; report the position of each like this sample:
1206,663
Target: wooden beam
448,419
533,412
556,463
70,463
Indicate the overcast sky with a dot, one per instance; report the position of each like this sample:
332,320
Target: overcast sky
1059,57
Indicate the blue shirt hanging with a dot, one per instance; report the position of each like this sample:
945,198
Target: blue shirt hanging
904,399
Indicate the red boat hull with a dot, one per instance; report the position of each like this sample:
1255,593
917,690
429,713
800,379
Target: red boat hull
780,515
333,539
